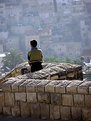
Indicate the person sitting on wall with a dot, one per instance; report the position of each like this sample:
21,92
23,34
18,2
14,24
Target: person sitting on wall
35,57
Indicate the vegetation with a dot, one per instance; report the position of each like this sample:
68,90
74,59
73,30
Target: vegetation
62,60
11,59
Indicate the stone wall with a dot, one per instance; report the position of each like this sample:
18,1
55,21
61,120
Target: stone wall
46,99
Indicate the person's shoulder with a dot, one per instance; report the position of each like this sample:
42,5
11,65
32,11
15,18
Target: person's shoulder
40,50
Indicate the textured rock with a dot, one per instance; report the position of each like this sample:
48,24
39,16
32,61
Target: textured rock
9,99
79,100
31,97
54,112
20,97
67,100
44,113
65,113
56,99
44,97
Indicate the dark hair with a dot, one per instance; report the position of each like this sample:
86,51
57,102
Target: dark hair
33,43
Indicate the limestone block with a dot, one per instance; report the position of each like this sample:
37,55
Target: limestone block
45,114
9,99
1,110
25,109
72,87
51,86
20,97
22,87
76,113
54,77
16,84
90,90
56,99
7,85
35,110
41,86
16,111
84,87
31,87
70,75
88,100
1,99
61,87
67,100
31,97
44,97
65,113
6,111
79,100
86,114
54,112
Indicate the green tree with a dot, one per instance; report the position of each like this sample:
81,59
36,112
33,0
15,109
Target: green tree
12,59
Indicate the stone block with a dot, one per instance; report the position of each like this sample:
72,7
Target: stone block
72,87
31,87
25,109
1,99
79,100
54,77
9,99
35,110
65,113
44,97
56,99
76,113
31,97
20,97
16,111
50,87
86,114
41,86
84,87
6,111
61,87
67,100
22,87
88,100
54,112
45,114
16,84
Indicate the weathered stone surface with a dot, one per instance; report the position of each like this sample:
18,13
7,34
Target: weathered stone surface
35,110
7,111
31,87
7,85
72,87
25,109
20,97
1,99
88,100
54,112
56,99
22,87
31,97
41,86
79,100
61,87
50,87
65,113
16,84
67,100
76,113
9,99
86,114
44,97
16,111
44,113
84,87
